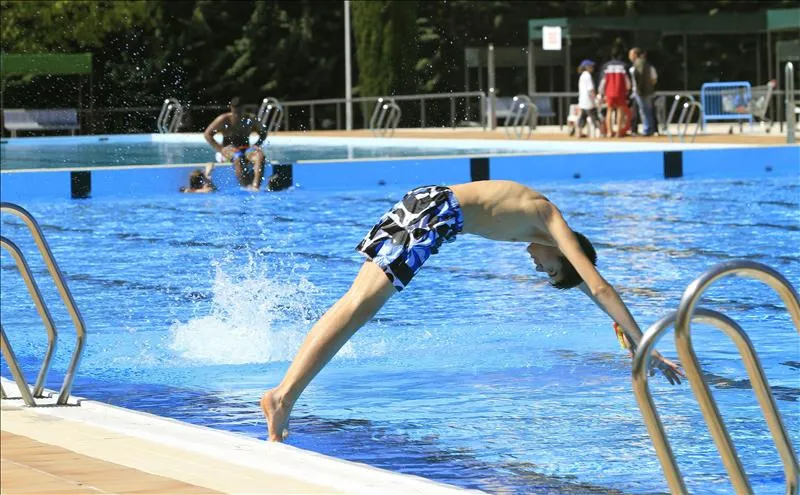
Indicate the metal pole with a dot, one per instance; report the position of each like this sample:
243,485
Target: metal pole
348,73
492,101
758,58
789,91
567,66
531,68
772,114
685,62
466,88
778,80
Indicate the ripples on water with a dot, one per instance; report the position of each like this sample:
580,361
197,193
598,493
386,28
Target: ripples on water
479,375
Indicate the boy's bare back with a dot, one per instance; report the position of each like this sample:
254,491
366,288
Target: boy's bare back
504,211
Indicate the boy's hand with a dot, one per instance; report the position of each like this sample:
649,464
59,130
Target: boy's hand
672,371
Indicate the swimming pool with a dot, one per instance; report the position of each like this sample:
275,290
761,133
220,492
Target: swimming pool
161,149
479,375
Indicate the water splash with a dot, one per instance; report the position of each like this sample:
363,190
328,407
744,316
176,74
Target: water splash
254,317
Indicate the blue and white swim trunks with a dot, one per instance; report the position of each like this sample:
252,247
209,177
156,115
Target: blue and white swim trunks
414,229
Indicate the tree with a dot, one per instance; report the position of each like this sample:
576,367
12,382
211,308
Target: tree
63,26
386,49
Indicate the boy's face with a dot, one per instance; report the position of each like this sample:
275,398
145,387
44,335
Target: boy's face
546,259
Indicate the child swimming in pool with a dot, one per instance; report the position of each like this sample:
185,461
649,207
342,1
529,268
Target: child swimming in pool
415,228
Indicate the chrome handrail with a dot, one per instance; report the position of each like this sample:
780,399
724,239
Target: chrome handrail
41,308
682,319
385,117
688,110
171,116
61,285
522,117
270,113
13,365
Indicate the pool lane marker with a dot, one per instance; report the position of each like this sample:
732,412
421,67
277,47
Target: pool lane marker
479,169
80,184
673,164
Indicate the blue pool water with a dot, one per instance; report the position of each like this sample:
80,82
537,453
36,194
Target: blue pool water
145,149
479,374
91,153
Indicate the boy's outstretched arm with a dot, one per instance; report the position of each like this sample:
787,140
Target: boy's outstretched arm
599,290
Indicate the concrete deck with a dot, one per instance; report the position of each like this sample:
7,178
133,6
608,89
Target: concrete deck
97,448
715,133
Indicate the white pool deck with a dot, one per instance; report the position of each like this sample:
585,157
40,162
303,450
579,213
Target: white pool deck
91,447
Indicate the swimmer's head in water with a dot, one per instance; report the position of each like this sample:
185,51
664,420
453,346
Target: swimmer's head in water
550,260
198,180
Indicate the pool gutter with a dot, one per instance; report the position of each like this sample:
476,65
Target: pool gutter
195,455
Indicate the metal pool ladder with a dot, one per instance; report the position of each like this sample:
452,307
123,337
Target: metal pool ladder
690,105
27,395
682,320
385,117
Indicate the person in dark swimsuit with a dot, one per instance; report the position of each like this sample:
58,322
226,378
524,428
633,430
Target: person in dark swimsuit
236,128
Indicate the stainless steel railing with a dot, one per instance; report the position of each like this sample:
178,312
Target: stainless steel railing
385,117
521,120
171,117
69,302
687,311
690,105
270,114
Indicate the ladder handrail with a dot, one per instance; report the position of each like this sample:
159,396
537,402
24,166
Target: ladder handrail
169,119
13,364
385,117
270,113
523,112
681,318
61,285
41,308
688,110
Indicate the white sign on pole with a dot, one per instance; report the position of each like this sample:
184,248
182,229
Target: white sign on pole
551,37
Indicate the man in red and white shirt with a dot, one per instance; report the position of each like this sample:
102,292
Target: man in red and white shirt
615,86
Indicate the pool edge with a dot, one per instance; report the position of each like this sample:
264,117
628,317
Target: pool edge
197,455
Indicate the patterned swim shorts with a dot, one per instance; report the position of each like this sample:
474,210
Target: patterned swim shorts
411,231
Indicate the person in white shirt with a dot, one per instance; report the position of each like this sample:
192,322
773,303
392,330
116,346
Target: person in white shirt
586,97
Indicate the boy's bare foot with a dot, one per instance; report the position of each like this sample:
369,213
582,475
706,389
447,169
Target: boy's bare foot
277,416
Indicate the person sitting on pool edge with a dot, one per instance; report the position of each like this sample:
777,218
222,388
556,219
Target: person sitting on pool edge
415,228
247,159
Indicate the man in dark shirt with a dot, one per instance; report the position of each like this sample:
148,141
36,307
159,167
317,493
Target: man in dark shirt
644,78
236,128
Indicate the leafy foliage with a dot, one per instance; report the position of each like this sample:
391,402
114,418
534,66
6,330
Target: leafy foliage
206,51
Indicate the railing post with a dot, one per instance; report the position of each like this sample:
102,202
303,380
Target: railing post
452,112
790,104
492,92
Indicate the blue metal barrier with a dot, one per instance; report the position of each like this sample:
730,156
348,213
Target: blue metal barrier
726,101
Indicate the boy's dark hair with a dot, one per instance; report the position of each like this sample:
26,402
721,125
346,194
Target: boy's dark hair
569,276
236,102
197,180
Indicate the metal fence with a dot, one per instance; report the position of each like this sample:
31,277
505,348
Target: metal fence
467,109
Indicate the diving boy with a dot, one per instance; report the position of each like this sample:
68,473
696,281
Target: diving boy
415,228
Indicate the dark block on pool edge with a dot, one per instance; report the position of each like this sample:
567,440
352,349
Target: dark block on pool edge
673,164
80,184
479,168
281,177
